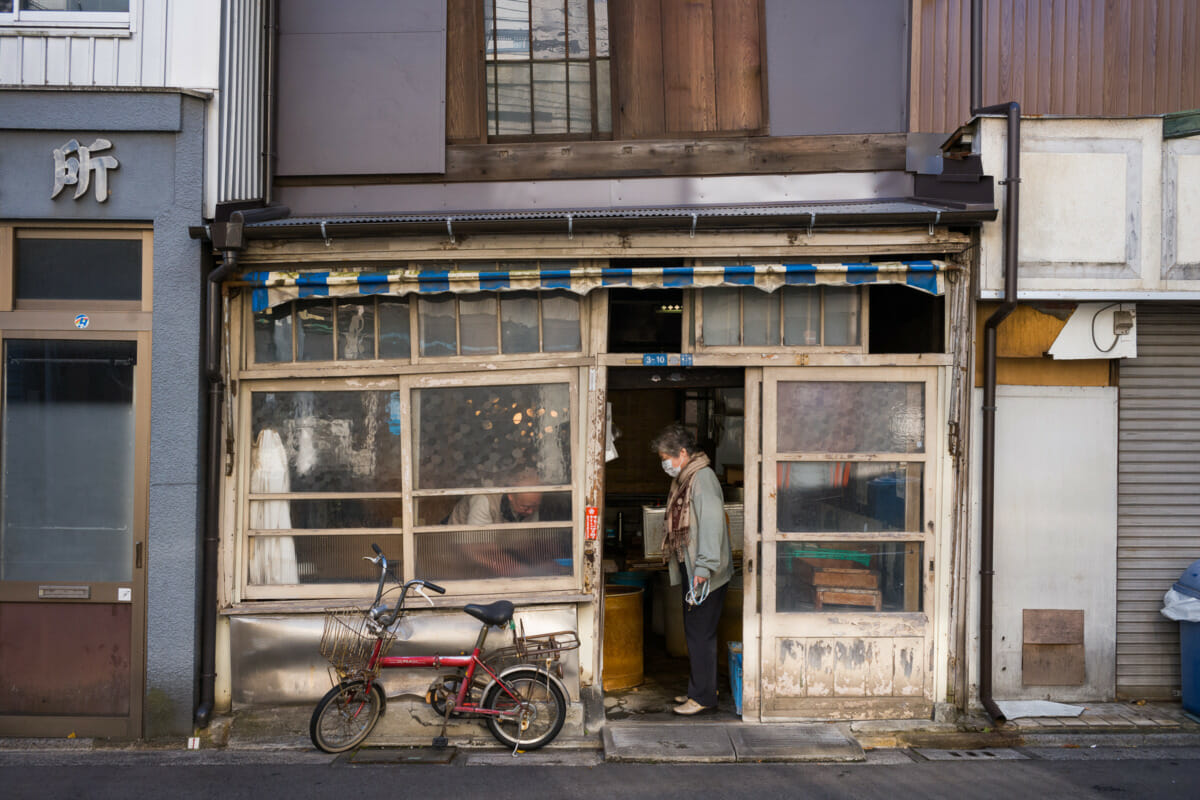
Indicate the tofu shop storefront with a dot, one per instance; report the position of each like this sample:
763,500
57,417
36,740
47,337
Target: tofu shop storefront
383,375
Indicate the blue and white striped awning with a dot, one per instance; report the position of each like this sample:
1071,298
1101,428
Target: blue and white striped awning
270,289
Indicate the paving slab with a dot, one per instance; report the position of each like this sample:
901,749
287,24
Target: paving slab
539,758
668,742
794,742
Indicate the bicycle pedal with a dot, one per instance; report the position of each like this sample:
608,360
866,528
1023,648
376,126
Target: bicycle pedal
441,741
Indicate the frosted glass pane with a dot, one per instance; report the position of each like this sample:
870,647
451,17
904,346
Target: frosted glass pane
851,417
394,335
484,436
841,316
273,335
314,339
560,323
439,335
847,496
519,323
722,320
477,325
549,98
356,330
801,316
512,98
549,29
68,461
481,554
848,576
760,318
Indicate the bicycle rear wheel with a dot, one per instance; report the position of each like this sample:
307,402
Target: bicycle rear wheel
345,716
543,704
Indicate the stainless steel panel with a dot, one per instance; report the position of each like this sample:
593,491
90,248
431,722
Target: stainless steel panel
274,658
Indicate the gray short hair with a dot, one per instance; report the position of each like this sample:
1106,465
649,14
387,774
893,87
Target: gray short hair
672,439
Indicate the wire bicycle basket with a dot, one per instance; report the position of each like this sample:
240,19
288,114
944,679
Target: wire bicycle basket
349,639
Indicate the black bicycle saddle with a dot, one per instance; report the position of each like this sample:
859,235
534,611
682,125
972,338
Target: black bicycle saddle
497,613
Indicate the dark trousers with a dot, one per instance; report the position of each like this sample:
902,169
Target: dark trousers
700,629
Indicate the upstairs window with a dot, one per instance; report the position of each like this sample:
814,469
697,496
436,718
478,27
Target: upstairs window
67,13
547,65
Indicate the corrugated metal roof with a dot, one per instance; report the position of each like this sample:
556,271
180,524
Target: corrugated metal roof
880,211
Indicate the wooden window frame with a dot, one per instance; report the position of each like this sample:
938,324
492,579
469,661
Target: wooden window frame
237,548
415,358
694,322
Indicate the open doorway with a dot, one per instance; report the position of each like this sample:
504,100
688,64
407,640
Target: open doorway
643,674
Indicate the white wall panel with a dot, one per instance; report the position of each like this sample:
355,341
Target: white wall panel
153,38
10,60
1055,528
104,63
33,61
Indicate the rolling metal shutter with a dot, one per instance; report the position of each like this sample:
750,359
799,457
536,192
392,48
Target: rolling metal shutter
1158,506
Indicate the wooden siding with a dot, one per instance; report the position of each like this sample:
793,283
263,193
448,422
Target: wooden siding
466,103
108,58
686,67
1070,57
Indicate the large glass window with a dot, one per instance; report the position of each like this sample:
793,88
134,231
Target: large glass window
67,508
547,65
492,472
793,316
488,495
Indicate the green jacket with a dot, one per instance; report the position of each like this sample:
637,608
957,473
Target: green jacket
709,553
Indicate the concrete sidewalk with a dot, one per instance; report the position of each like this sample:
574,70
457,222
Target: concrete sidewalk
712,739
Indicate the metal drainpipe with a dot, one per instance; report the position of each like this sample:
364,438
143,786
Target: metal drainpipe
987,502
270,102
212,483
212,466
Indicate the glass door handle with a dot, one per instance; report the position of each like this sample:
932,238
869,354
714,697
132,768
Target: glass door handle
137,556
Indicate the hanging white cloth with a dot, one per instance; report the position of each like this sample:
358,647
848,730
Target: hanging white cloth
273,558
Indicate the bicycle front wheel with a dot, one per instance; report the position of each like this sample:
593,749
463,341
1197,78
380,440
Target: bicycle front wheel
539,704
345,716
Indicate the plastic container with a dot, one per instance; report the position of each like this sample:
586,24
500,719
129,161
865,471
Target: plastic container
735,675
1189,642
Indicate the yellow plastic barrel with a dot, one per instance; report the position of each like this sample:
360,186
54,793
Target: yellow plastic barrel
623,666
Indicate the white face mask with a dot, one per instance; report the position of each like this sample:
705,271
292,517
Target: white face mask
670,468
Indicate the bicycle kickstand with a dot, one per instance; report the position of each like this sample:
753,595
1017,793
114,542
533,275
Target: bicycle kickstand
440,740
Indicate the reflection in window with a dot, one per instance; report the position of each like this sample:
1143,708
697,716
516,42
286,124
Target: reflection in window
494,508
492,436
319,441
845,496
483,554
851,417
848,576
547,67
330,559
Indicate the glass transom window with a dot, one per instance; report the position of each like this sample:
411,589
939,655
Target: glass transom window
794,316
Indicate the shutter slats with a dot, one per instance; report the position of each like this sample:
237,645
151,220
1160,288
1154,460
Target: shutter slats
1158,499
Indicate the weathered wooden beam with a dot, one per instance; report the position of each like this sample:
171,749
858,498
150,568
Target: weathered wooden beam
532,161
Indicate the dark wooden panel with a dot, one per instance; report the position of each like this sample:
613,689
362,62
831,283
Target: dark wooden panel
1085,57
736,31
65,659
466,84
689,70
1052,626
635,33
1053,665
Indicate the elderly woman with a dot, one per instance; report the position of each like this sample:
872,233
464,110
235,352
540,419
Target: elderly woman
696,546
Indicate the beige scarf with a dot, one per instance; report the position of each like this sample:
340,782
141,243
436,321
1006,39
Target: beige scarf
679,509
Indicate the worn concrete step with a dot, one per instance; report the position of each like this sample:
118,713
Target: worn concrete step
716,743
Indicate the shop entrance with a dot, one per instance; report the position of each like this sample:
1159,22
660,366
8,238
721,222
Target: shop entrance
644,673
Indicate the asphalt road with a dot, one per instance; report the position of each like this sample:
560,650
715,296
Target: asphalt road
1019,775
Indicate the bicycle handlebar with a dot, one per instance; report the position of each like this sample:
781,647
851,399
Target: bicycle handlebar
381,559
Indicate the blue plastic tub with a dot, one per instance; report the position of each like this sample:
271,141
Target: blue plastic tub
639,579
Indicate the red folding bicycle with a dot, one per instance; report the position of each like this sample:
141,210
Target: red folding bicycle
517,689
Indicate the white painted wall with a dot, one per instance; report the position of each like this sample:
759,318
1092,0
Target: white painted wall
169,43
1055,530
1104,207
